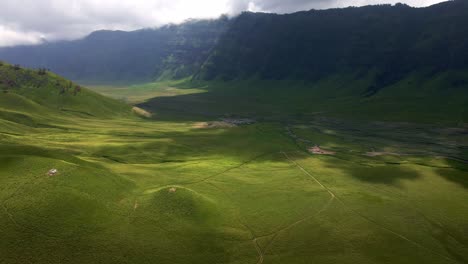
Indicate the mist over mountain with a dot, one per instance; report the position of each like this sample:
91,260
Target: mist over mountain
172,51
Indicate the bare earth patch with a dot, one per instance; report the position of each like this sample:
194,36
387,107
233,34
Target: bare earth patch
224,123
319,151
376,154
141,112
213,124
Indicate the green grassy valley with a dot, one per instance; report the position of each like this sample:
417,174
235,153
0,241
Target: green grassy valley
188,186
335,135
416,98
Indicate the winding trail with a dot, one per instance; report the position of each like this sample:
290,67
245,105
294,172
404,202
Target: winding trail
28,228
310,175
254,239
275,234
333,196
10,216
365,217
229,169
261,252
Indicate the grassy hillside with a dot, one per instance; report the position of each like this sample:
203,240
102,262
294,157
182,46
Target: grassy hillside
136,191
41,94
201,190
139,93
358,165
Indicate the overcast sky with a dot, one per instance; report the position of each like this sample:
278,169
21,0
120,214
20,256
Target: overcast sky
32,21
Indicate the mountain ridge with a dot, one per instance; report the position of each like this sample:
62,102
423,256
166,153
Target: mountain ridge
302,45
170,51
392,40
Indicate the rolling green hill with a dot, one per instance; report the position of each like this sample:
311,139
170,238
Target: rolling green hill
270,155
203,190
42,93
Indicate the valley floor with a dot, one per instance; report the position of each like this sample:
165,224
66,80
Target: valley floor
151,191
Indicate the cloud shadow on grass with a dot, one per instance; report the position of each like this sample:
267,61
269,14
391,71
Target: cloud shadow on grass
387,174
458,173
373,171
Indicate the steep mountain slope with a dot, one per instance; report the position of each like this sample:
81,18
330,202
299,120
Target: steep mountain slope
387,41
172,51
384,62
396,63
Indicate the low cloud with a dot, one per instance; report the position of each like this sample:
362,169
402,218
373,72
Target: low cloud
32,21
10,37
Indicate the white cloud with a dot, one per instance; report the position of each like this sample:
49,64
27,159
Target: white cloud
69,19
11,37
28,21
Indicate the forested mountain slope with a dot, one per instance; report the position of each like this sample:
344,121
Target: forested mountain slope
385,41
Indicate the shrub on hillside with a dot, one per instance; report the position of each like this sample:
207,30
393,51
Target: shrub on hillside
7,85
42,71
76,90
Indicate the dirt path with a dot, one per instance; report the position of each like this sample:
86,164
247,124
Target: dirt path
308,217
310,175
28,228
382,153
228,170
275,234
365,217
260,251
10,216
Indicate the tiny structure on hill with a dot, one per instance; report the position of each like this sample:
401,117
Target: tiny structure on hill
52,172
